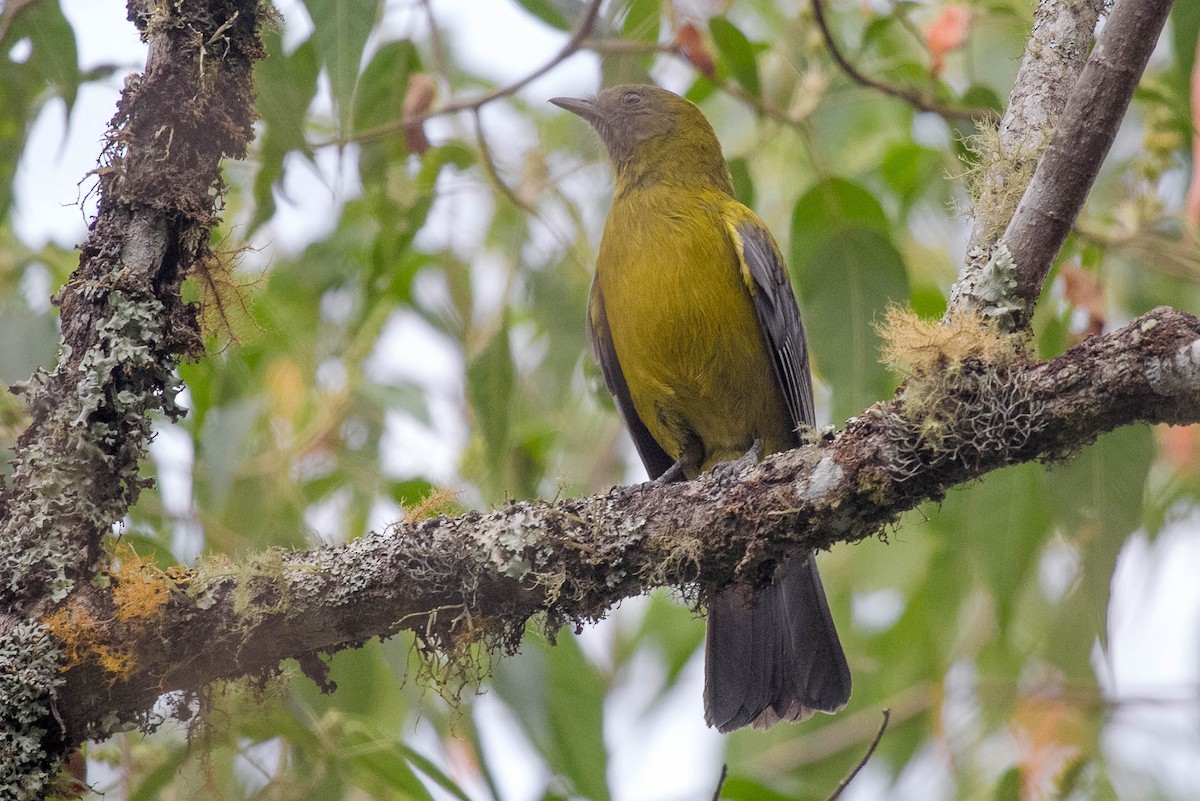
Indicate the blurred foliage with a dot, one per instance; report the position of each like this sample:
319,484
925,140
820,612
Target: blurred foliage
422,333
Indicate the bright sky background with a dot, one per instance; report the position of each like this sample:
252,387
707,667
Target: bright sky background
1155,651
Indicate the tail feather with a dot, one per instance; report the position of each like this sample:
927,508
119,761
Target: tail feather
778,659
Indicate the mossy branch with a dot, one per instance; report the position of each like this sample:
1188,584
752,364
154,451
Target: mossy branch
476,580
1063,114
125,328
462,582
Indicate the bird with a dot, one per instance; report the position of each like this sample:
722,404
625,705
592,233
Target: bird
698,335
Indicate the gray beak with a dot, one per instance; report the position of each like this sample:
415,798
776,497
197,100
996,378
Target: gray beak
579,105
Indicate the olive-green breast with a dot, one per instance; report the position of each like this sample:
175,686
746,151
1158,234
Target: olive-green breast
684,327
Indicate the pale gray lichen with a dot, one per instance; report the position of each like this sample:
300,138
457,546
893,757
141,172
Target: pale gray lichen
1177,374
82,474
505,543
990,285
969,416
823,478
29,663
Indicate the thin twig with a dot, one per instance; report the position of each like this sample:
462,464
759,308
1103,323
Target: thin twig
911,96
436,46
716,796
489,163
612,44
578,36
12,10
883,724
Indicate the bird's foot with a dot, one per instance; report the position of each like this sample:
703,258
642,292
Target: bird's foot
673,473
728,471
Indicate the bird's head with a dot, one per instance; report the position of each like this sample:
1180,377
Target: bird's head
651,133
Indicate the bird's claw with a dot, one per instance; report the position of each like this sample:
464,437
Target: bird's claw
730,470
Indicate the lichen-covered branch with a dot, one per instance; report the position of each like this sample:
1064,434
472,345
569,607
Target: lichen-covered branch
124,329
1055,54
476,579
1054,59
480,577
1081,141
1052,141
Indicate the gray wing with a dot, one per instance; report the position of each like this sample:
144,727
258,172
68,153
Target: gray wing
779,317
778,658
653,456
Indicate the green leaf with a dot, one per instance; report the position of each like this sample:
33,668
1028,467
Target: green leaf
700,90
376,764
671,629
19,86
225,441
1097,497
1006,520
642,19
558,696
737,52
928,301
168,761
1069,779
490,381
1185,29
28,340
980,96
55,54
383,84
743,184
844,287
743,788
1009,786
824,210
548,11
434,773
341,31
911,170
286,84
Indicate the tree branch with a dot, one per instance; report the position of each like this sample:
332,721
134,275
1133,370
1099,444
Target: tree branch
124,324
1054,56
477,578
914,98
480,577
124,329
578,36
1064,126
1081,141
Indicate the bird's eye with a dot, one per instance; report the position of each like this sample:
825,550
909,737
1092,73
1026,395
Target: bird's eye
630,99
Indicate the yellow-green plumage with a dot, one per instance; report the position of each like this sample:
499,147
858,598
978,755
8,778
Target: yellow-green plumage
699,337
686,335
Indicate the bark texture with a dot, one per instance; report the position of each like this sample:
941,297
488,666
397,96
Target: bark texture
124,330
479,578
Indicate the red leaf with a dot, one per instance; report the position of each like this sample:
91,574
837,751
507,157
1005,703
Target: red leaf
422,89
1084,292
691,41
946,33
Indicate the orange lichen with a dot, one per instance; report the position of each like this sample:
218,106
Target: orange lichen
914,345
140,590
439,501
77,629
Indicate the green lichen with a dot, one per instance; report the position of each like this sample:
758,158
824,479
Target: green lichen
78,470
28,675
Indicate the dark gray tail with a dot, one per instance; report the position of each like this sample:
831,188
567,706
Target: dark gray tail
777,660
